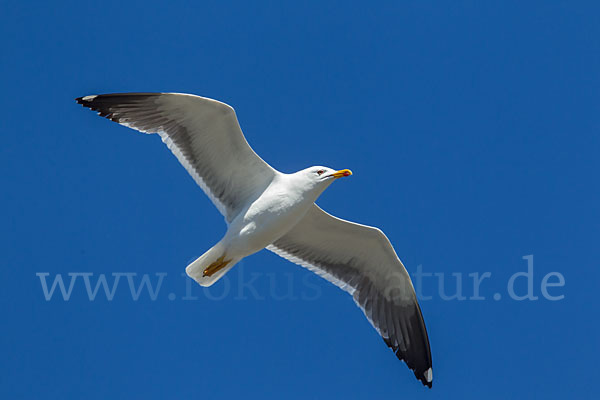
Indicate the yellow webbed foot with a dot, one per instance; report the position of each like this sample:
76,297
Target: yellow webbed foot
216,266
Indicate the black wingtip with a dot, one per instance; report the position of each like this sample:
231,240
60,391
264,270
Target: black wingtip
84,100
425,377
96,103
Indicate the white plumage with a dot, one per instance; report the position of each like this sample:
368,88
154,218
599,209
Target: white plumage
265,208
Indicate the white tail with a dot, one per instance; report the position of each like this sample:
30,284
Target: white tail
196,269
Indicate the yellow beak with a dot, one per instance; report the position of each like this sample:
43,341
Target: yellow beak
341,173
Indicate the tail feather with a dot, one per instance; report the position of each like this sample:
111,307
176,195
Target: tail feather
196,269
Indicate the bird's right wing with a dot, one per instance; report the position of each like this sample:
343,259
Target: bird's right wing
361,260
204,135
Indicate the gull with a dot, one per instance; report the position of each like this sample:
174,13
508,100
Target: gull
265,208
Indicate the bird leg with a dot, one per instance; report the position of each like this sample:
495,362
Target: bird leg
216,266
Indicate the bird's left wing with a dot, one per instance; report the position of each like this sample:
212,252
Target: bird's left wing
204,135
361,260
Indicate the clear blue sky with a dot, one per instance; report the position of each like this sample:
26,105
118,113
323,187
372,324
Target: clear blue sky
472,129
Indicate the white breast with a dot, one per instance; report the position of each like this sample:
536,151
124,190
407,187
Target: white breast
265,220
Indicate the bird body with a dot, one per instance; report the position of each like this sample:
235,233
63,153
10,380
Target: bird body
265,208
275,211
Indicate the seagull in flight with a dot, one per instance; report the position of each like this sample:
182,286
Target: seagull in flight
265,208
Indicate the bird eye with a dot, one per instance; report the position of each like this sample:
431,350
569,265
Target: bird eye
320,172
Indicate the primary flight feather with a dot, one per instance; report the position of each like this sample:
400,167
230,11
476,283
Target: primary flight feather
265,208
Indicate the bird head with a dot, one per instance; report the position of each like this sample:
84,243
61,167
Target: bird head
325,174
318,178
